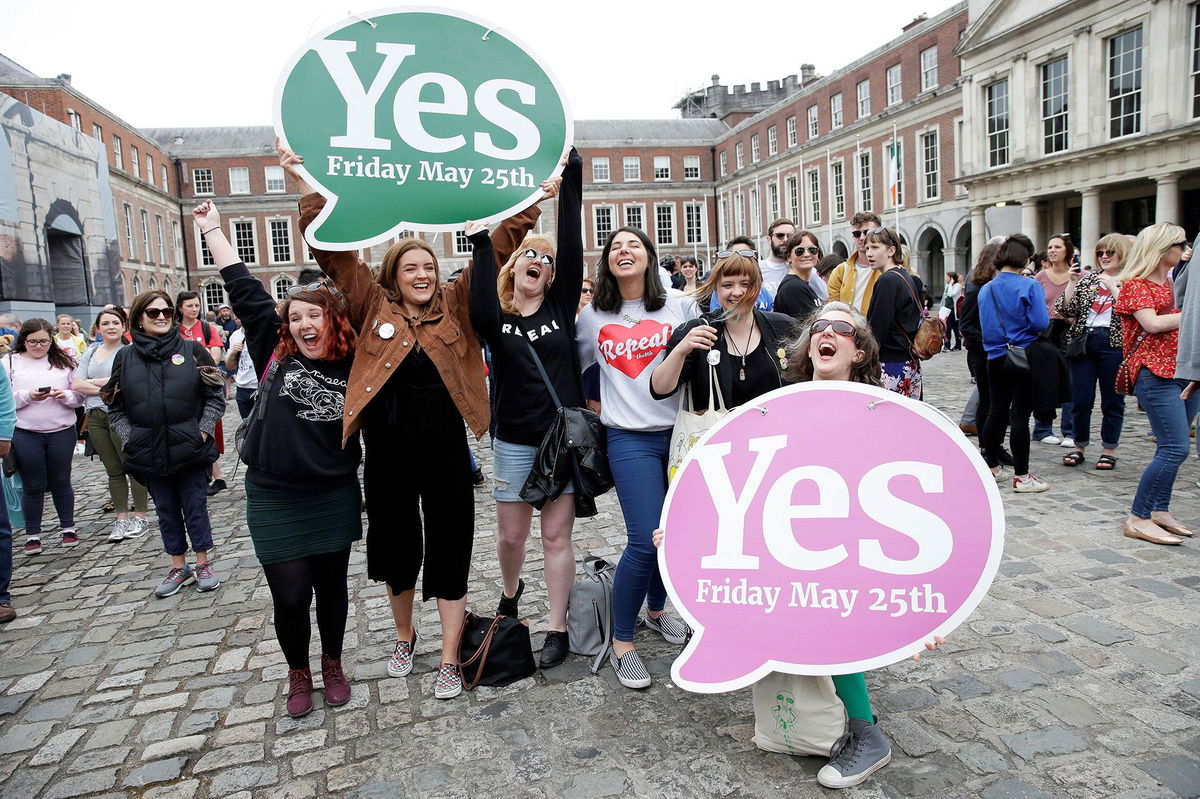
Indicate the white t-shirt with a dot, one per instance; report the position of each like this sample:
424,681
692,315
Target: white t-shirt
628,345
245,377
817,284
773,272
1100,312
862,279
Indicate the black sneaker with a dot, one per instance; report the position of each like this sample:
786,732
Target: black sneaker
477,477
216,486
508,604
856,756
555,650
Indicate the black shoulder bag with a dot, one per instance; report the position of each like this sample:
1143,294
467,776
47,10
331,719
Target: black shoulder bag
258,411
577,436
1017,359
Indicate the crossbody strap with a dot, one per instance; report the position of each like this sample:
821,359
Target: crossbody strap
538,363
1003,329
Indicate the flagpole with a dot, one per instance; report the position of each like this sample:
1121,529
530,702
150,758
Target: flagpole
800,193
896,160
829,197
858,172
757,211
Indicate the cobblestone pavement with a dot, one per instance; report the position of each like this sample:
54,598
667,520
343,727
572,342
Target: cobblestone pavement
1077,676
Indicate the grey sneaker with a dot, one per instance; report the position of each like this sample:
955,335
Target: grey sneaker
206,578
857,755
137,527
176,578
670,628
120,530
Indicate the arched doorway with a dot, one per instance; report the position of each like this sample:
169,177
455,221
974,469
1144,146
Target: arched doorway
962,244
839,248
67,256
931,265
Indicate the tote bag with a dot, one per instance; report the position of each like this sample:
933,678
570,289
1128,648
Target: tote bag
690,425
797,714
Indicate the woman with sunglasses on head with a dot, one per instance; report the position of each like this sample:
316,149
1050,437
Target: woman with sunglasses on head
1093,348
303,505
95,367
164,399
894,313
1150,328
625,330
44,440
1012,312
417,375
526,315
798,294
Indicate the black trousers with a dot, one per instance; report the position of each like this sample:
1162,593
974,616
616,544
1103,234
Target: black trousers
1011,405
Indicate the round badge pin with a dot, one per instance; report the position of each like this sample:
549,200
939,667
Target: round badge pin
387,330
177,359
714,357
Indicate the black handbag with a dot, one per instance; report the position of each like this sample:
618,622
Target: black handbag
1076,347
577,435
494,652
1017,359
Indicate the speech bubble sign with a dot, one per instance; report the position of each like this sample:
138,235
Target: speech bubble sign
825,528
419,118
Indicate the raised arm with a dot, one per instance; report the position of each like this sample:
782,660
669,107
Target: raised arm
568,277
485,301
350,274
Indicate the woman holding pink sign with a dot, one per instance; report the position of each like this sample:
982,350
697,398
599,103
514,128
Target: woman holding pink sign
625,330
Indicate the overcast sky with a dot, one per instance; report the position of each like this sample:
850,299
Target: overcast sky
157,64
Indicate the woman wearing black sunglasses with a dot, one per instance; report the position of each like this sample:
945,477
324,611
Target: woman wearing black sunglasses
797,295
530,306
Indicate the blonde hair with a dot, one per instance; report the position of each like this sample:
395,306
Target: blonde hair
1151,245
505,279
1118,243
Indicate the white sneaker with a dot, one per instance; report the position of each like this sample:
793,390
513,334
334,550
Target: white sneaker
1002,475
79,445
1029,484
1067,442
120,530
137,527
1051,440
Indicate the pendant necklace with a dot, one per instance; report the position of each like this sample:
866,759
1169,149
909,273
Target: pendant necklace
742,354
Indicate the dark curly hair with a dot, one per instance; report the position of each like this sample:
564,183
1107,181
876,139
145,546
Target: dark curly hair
341,343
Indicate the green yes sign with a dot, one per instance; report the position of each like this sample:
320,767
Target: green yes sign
419,118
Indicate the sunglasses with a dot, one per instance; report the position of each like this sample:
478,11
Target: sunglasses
743,253
840,327
1184,244
858,234
781,235
799,251
1105,253
160,313
587,291
317,286
534,255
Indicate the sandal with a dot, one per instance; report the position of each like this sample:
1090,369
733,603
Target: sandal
1106,463
108,508
1073,458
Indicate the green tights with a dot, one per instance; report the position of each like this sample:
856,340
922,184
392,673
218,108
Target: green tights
852,690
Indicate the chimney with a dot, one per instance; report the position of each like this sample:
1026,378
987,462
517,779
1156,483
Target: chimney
807,73
915,23
63,77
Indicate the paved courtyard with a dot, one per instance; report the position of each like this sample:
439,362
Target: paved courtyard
1076,677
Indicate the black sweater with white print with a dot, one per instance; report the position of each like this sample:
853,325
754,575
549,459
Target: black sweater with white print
297,444
524,409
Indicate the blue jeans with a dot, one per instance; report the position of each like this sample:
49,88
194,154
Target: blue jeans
639,468
6,536
1098,364
1042,429
1169,419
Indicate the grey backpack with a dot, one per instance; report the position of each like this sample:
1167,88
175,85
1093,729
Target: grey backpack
590,614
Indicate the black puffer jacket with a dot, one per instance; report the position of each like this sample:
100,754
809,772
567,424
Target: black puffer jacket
160,405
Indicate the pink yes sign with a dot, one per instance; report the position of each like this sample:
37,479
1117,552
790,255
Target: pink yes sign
827,528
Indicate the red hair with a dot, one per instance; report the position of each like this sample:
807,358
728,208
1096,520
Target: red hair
341,341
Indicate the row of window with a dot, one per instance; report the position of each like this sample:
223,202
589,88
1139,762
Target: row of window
894,96
136,286
148,254
604,222
204,184
243,234
136,162
631,168
214,295
1123,63
805,202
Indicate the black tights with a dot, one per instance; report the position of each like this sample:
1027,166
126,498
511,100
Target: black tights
292,585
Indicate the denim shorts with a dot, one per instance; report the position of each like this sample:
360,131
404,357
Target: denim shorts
511,464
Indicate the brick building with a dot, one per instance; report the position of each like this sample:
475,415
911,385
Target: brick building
142,176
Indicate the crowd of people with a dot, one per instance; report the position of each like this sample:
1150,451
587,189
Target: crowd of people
385,368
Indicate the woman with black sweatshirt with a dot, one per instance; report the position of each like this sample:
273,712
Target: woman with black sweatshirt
530,307
894,314
303,505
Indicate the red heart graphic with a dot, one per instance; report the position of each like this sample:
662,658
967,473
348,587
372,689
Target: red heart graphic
632,349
